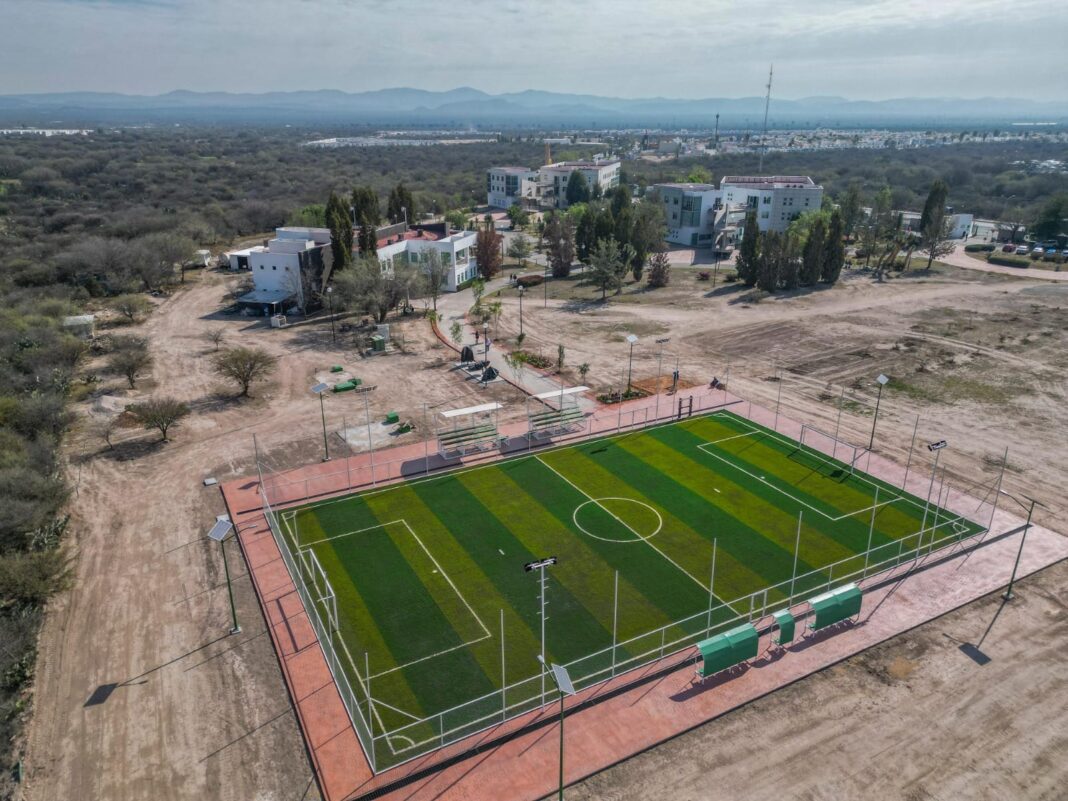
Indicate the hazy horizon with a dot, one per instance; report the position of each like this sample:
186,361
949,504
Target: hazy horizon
691,49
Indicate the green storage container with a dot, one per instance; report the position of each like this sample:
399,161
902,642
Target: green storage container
344,386
786,623
392,417
378,344
337,368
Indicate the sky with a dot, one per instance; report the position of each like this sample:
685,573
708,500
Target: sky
859,49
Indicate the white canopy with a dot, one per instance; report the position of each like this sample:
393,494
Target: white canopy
485,407
556,393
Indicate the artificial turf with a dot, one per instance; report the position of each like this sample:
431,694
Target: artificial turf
423,571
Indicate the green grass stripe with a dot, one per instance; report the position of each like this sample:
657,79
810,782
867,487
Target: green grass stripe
358,629
410,620
746,560
650,594
785,467
756,504
483,535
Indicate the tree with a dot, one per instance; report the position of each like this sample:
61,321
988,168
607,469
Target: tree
310,216
1050,220
488,252
578,190
583,369
401,204
519,248
370,289
699,175
769,263
456,332
608,265
833,258
851,208
646,233
518,216
879,225
933,228
495,310
246,366
812,254
585,236
340,225
132,307
215,337
619,199
456,219
560,244
748,259
478,288
659,270
159,413
130,360
158,254
365,206
435,274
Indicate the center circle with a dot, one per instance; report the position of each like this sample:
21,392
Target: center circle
634,521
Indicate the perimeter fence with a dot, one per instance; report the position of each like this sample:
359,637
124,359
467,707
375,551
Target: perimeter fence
966,508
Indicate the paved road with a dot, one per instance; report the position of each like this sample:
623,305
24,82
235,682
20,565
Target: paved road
958,258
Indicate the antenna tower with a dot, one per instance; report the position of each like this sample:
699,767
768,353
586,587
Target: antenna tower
764,136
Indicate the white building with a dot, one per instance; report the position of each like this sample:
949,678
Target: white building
553,178
509,186
456,249
287,271
778,199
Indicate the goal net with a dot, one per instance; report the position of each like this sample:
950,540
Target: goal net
831,447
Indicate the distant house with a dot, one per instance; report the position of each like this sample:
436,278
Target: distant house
82,326
288,272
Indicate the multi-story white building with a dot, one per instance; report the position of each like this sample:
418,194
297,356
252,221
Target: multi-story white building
553,178
456,249
510,186
778,199
287,271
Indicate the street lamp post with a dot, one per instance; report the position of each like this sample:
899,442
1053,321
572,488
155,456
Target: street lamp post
485,342
883,381
562,681
936,447
319,389
330,302
1007,595
633,340
521,290
219,533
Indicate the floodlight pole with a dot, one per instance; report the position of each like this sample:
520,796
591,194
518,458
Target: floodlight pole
370,441
326,443
236,629
927,503
540,566
544,670
330,302
1007,595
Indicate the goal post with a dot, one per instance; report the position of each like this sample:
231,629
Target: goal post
835,448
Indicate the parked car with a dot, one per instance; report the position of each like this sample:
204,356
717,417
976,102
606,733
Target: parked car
1008,248
1021,250
1051,251
1038,252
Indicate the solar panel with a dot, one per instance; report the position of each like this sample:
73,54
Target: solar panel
220,530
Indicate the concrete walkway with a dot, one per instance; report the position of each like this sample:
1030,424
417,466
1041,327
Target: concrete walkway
453,308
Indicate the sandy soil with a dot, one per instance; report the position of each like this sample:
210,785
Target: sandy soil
913,719
198,714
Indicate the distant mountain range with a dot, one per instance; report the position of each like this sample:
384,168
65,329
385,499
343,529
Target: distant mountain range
531,108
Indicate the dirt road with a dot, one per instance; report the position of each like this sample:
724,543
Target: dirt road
958,258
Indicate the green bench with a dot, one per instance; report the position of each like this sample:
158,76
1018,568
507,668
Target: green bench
727,650
835,606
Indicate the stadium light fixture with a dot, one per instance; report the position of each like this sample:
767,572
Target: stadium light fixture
633,340
530,567
219,532
562,680
319,389
936,449
1008,595
882,380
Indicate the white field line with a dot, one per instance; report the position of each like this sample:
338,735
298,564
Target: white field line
486,634
703,448
699,583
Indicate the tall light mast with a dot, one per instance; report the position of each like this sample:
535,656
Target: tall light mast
764,136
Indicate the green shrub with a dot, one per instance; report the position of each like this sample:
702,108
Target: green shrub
1008,261
529,280
979,248
32,577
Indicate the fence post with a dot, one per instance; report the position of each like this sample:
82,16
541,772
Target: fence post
663,637
797,549
367,688
504,684
838,424
912,445
711,587
997,493
615,622
871,531
441,726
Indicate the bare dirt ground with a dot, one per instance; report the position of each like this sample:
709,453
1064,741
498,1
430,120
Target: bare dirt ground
913,719
194,713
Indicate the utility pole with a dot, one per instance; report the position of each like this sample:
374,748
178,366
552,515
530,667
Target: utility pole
764,136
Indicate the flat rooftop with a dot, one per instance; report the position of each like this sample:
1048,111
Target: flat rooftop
767,181
689,187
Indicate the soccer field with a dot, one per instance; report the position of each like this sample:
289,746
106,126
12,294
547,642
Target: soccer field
428,574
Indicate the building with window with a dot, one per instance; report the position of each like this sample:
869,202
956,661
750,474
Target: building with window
288,272
778,199
553,179
510,186
455,248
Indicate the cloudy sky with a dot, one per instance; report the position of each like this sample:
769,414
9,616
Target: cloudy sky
859,49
